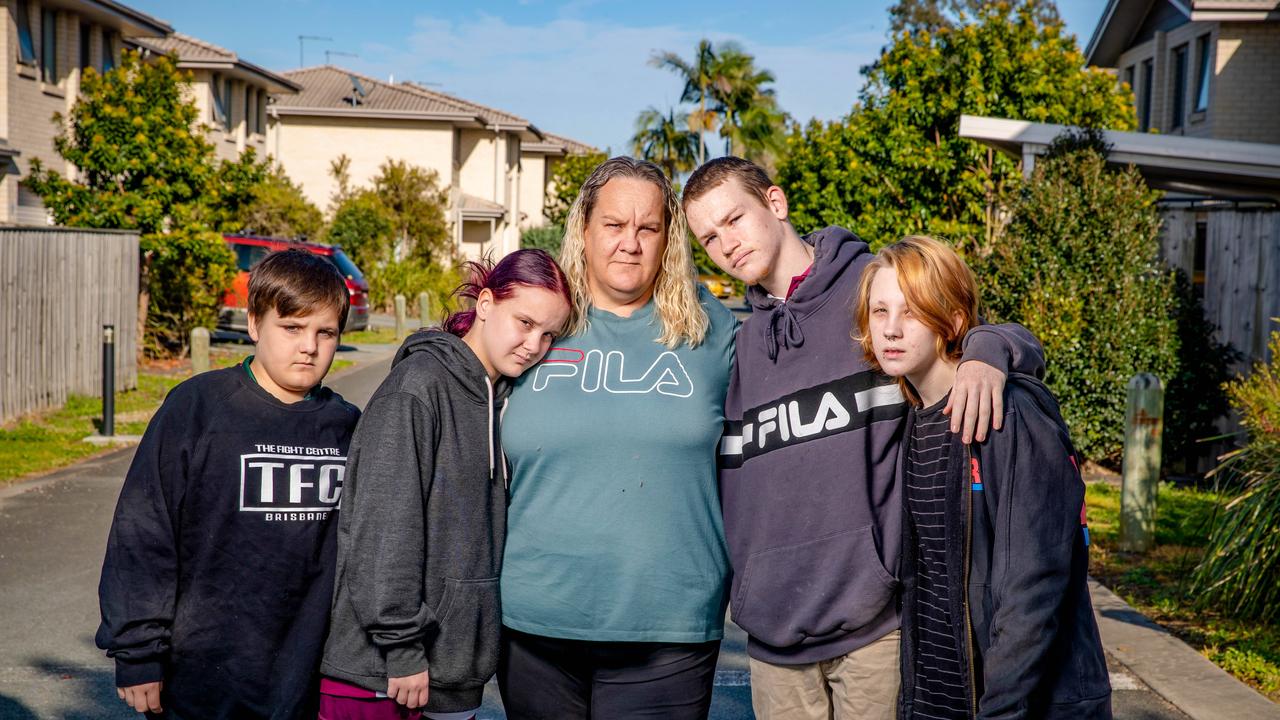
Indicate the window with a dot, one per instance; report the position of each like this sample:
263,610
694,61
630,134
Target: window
1178,111
86,32
1144,104
249,113
261,118
26,43
49,46
1200,261
108,51
228,104
1202,77
219,105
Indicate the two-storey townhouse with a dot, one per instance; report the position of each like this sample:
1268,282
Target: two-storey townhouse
1200,68
496,184
231,93
43,49
538,163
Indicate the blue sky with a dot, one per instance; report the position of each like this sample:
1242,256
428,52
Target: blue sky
573,67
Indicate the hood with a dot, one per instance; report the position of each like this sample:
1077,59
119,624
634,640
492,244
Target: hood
834,250
458,359
1039,392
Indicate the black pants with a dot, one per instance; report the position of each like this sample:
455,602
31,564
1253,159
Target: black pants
544,678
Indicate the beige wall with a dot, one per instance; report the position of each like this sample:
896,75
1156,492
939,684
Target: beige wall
1244,90
476,163
305,146
230,144
533,188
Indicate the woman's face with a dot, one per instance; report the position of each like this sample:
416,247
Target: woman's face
626,236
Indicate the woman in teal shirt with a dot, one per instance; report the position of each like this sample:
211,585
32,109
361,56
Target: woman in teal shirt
613,578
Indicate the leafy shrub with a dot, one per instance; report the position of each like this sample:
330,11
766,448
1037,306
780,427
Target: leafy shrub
364,228
547,238
410,277
1240,572
1077,265
567,176
184,273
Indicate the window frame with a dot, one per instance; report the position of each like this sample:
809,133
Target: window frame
49,46
108,51
217,107
1178,105
1144,106
1204,72
86,45
26,39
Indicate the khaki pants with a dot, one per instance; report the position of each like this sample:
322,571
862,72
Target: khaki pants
862,684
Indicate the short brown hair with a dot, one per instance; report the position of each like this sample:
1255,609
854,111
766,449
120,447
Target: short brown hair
938,287
295,282
714,173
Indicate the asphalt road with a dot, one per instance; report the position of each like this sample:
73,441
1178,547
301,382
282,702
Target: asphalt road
52,535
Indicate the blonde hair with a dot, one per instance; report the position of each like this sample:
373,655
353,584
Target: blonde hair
939,288
675,293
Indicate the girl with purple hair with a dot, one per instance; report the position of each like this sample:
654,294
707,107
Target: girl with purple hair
416,618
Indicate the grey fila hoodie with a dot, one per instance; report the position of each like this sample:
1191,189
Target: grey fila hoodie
812,509
421,530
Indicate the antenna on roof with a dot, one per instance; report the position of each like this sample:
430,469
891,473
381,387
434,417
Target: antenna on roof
357,90
337,53
301,38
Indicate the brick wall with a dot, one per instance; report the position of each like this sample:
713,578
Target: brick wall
1246,100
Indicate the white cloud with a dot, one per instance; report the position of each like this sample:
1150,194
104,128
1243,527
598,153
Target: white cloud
588,79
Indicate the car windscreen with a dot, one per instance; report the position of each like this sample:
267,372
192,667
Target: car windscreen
345,266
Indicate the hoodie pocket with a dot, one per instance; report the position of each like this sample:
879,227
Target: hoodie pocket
815,590
465,651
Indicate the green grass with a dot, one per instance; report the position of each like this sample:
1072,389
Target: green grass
1155,582
55,438
373,336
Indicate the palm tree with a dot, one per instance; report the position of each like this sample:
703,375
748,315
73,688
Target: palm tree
731,94
698,77
666,140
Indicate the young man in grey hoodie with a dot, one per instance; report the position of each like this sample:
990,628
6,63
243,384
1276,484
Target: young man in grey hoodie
812,512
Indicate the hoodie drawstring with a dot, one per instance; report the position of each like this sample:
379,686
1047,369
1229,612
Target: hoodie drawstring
502,454
792,335
489,386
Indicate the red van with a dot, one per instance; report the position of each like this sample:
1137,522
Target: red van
249,250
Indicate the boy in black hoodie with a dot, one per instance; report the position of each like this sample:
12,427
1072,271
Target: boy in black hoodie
996,619
807,481
219,567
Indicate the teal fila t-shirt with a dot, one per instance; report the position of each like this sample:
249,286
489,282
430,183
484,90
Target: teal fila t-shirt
614,529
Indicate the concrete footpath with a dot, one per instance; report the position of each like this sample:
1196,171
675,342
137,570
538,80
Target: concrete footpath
53,532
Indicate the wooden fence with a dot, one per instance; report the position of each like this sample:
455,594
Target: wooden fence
58,287
1236,252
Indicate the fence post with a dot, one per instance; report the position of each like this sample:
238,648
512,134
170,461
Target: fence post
108,380
424,309
400,319
1143,430
199,350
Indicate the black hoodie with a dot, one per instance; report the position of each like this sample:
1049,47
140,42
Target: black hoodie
422,528
1016,537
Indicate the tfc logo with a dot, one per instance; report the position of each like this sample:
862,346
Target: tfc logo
296,483
597,371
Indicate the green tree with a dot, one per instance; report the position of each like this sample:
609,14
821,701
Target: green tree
546,237
413,197
731,94
1077,265
567,177
897,165
277,208
364,228
665,140
144,164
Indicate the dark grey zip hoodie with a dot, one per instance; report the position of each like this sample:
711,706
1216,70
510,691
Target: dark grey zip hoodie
812,509
421,529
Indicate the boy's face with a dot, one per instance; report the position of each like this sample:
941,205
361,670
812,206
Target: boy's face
903,345
293,353
742,232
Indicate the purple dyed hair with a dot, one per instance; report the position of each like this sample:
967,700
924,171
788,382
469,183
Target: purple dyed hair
528,267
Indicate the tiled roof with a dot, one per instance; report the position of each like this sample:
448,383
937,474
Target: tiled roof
190,50
571,146
472,204
327,87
